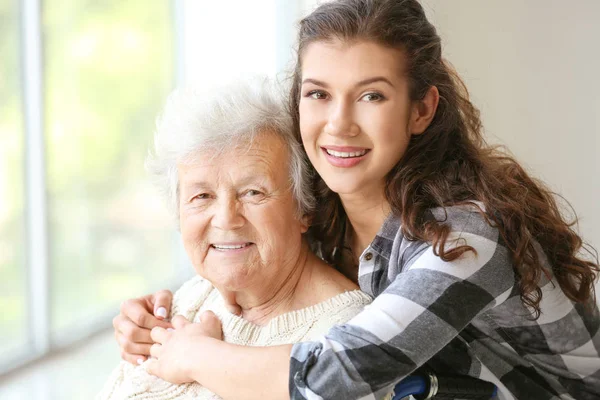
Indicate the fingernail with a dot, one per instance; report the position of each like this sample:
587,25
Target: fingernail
140,361
161,312
170,329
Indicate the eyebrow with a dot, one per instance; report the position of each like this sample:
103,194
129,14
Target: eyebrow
364,82
197,185
255,179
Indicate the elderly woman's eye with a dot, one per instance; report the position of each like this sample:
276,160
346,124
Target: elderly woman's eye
253,193
201,196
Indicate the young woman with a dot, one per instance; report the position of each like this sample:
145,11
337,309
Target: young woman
471,265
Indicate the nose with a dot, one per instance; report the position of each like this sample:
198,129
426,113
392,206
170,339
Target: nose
227,215
340,121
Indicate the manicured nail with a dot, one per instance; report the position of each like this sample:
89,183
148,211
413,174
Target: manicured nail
170,329
140,361
161,312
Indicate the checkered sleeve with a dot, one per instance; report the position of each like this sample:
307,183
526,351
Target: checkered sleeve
422,309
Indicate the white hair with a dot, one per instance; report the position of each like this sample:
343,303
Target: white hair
218,120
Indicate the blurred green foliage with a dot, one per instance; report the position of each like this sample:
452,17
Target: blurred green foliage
108,67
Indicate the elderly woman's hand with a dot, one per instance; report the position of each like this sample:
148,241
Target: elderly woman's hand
136,319
174,351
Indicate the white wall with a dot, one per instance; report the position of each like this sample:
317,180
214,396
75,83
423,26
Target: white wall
533,69
227,39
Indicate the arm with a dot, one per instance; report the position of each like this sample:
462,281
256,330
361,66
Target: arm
243,372
418,314
196,352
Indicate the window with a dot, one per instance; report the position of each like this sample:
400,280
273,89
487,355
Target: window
107,70
12,234
81,85
81,225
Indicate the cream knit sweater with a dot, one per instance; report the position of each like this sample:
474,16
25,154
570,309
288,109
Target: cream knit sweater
198,295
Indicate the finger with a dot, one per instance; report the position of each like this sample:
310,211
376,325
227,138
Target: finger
211,324
133,348
162,303
231,304
117,321
135,310
179,321
234,309
207,317
159,335
135,359
134,333
155,350
152,367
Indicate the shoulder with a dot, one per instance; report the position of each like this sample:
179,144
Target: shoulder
191,295
467,218
468,226
336,311
487,267
418,264
355,302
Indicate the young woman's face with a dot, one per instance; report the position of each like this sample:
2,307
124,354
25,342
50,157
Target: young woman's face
354,113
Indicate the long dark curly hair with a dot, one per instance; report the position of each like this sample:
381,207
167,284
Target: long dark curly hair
450,163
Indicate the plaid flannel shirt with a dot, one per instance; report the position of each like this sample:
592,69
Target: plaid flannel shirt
460,317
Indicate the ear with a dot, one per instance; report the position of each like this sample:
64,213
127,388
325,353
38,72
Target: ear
305,222
423,111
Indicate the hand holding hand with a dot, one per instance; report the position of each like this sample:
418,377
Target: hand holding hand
176,350
136,319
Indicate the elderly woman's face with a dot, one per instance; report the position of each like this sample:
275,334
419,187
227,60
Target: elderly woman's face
238,217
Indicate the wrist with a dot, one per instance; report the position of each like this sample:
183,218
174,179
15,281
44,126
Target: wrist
197,358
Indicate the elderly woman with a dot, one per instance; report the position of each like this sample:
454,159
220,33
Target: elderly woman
238,183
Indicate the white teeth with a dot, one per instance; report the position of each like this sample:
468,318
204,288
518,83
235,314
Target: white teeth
346,155
226,247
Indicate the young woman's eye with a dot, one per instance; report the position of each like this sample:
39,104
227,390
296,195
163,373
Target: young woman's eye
373,97
317,95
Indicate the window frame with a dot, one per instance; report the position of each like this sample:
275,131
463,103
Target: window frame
41,341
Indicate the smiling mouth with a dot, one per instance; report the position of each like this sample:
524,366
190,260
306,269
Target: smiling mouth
343,154
229,247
